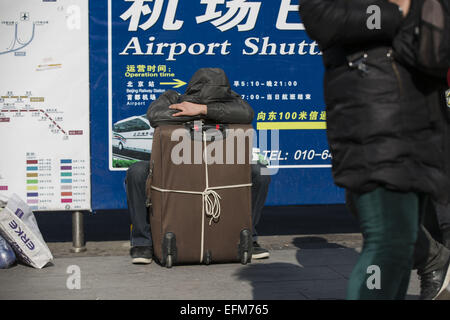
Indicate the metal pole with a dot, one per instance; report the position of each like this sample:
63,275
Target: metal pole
78,243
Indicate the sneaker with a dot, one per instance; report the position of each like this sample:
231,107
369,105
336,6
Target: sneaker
258,252
141,255
433,285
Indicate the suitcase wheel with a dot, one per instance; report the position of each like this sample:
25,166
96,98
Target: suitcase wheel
169,249
244,257
245,247
207,258
169,261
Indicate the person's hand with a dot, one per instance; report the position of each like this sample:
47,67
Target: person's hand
403,4
188,109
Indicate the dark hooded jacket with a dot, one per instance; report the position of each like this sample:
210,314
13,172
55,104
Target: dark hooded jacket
381,129
209,86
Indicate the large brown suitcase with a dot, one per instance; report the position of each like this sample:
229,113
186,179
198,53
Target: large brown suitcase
200,212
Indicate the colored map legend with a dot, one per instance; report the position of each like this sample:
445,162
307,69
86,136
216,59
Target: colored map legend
39,184
47,181
32,184
73,181
66,180
3,183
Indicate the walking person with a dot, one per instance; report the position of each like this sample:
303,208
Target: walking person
432,253
383,139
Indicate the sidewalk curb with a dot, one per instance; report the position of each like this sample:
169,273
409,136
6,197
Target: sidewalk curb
285,242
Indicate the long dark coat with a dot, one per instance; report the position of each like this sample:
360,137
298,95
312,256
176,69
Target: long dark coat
381,129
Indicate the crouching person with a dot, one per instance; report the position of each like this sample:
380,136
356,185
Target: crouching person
221,106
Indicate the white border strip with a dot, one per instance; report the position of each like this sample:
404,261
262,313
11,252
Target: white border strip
110,158
300,166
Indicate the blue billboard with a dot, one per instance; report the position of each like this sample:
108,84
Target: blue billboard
141,48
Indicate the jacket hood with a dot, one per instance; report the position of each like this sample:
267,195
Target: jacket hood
208,85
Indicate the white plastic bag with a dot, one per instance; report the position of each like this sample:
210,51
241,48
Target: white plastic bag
19,227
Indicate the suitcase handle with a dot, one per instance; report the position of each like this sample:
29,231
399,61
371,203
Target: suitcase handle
213,132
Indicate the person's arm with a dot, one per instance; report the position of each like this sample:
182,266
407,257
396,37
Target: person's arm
344,22
158,110
235,110
187,108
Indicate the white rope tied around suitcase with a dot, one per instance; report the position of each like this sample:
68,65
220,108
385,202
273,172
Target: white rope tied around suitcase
210,207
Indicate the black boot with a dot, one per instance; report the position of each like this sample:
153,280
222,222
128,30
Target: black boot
433,285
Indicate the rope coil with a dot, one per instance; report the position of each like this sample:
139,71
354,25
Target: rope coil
212,206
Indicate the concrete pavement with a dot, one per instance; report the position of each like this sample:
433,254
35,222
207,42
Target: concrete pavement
301,267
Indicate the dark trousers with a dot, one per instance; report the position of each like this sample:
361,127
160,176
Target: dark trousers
389,223
443,222
396,229
135,186
430,254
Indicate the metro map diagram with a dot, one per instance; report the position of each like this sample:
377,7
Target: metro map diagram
16,106
21,26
